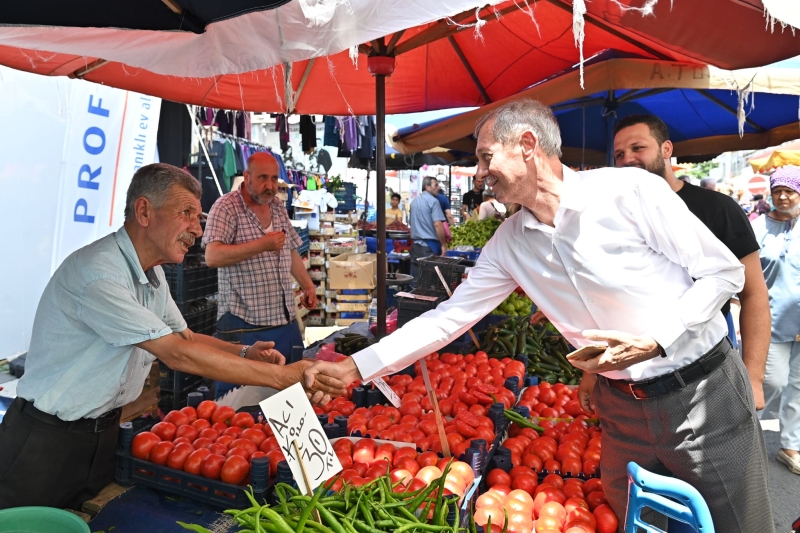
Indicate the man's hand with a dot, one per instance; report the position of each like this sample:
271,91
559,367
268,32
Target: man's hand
623,351
263,351
322,372
309,300
758,393
585,390
321,389
273,241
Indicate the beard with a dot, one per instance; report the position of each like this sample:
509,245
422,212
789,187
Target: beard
657,167
261,199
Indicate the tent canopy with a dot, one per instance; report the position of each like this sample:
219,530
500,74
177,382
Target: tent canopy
440,64
778,158
698,103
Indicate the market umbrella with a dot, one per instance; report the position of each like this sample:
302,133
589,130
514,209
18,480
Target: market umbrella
704,107
778,158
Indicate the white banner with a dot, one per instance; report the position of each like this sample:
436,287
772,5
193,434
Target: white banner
110,134
45,123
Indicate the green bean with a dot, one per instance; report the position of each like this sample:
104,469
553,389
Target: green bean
367,514
276,520
335,525
193,527
301,522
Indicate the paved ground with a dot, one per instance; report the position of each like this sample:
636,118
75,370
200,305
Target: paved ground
784,487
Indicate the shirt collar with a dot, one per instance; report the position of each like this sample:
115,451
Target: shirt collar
571,199
127,249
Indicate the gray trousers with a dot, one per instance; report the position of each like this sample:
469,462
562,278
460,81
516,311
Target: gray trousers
706,434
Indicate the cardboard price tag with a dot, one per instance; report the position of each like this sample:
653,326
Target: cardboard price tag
292,419
387,391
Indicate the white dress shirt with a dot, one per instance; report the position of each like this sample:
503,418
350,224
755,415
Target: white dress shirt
621,256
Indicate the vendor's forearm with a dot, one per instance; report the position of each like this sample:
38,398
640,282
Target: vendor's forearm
198,358
208,340
222,255
440,233
299,271
755,321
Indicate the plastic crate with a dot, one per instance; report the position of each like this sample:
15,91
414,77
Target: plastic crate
470,256
175,380
452,269
172,400
133,471
200,315
303,249
190,282
345,191
409,308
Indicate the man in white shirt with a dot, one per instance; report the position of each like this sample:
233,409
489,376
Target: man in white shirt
609,256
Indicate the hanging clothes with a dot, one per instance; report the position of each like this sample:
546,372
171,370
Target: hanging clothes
350,133
240,162
367,130
308,133
331,135
228,167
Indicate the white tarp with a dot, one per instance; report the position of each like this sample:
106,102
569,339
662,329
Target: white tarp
293,32
63,175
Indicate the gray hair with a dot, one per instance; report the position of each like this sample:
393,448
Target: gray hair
427,181
488,193
154,182
525,114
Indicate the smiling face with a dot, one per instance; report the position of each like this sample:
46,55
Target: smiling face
635,146
261,179
786,200
502,167
175,225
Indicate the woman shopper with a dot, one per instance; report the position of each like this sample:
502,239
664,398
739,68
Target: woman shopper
779,235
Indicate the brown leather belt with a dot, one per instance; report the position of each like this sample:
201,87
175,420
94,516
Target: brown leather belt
678,379
88,425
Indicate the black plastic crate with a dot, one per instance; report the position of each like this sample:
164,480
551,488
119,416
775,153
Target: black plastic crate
191,280
409,308
346,206
218,494
176,381
345,191
200,315
452,269
171,400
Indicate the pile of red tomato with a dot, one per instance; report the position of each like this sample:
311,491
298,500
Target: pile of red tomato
556,505
212,441
552,401
365,460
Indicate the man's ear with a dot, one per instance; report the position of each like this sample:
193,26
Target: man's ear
143,211
528,141
667,149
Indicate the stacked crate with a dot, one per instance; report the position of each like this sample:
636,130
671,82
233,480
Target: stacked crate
430,292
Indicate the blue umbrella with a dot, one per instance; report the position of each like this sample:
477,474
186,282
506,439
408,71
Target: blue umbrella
707,110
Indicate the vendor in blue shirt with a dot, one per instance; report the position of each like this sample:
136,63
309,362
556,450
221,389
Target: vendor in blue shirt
779,236
427,224
103,318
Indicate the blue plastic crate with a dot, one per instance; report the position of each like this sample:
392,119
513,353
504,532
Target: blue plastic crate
471,256
351,292
352,315
372,245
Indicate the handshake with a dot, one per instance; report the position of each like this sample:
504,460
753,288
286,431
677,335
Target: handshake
324,380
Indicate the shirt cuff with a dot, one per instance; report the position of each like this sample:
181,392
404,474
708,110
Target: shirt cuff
666,332
369,364
151,335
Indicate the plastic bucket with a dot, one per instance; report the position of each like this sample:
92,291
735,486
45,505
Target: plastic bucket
40,520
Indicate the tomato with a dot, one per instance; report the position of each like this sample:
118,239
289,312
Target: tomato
256,455
554,509
201,443
178,440
271,443
194,462
498,477
590,467
176,418
233,431
494,514
596,499
427,459
580,514
219,427
407,463
256,436
178,455
364,455
190,413
187,431
200,424
225,440
209,433
545,495
554,480
246,444
165,430
275,457
212,465
335,483
606,519
160,452
206,409
218,449
243,420
143,443
526,482
401,476
223,415
592,485
374,472
235,470
241,452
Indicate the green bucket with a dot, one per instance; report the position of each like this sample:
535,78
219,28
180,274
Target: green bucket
40,520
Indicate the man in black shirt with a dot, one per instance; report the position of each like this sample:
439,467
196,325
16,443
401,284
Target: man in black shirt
472,199
643,141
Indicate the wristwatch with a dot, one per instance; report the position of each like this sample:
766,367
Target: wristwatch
243,353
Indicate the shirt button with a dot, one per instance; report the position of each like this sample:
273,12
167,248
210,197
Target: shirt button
152,331
589,301
555,235
571,271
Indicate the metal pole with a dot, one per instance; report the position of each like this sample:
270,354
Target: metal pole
611,120
380,198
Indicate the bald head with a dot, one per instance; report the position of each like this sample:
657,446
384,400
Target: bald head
261,178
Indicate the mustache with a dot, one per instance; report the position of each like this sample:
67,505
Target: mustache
187,238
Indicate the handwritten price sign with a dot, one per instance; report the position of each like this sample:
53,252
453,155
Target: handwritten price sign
387,391
292,418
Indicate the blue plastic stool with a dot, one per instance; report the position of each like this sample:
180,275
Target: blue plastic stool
646,489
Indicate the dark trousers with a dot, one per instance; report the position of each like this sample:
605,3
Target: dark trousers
52,464
706,434
233,329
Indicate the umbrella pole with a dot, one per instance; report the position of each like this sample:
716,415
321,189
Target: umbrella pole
381,66
610,113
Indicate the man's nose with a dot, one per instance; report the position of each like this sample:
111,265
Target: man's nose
196,229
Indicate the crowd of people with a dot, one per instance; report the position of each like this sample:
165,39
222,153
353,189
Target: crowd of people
652,279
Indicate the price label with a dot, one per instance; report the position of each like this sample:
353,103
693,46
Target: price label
387,391
292,418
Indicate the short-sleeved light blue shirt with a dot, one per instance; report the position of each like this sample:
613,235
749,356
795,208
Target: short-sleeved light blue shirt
425,210
780,259
82,360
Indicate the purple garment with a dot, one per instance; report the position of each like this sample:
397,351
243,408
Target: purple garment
350,132
786,177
